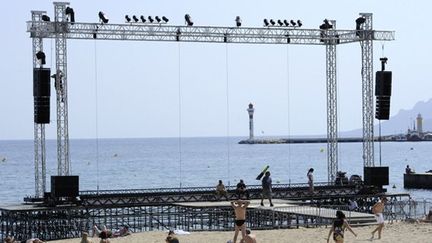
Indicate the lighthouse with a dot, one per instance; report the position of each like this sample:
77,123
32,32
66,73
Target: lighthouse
419,123
251,110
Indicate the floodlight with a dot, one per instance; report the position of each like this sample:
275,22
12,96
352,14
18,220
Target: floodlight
158,19
142,19
69,11
266,23
272,22
238,21
188,20
46,18
135,18
165,19
40,55
103,18
150,19
299,23
359,22
280,22
128,19
293,23
286,22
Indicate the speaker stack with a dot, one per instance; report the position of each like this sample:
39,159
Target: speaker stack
383,83
41,95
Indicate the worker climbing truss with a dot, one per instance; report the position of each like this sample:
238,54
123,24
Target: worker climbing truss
62,29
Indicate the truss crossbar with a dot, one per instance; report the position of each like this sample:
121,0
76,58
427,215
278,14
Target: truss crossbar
197,34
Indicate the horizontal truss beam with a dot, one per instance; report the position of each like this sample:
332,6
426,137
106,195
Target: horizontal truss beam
246,35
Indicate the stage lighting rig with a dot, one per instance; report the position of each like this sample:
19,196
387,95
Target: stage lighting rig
127,18
135,18
326,25
238,21
158,19
143,20
299,23
46,18
266,23
293,23
286,22
150,19
188,20
280,22
272,22
103,18
69,11
165,19
40,55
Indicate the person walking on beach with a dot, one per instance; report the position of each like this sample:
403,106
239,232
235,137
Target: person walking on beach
338,228
240,217
378,210
266,188
310,180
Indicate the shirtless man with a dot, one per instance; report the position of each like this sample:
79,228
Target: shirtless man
378,209
240,217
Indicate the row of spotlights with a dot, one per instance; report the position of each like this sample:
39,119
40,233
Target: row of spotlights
281,23
150,19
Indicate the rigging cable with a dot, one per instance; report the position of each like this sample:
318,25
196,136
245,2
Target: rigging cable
179,116
96,116
227,115
288,114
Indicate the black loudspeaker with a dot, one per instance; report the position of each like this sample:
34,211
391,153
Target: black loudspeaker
383,83
41,82
65,186
376,176
382,108
41,95
41,110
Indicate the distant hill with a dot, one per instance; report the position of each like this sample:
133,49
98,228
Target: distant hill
400,122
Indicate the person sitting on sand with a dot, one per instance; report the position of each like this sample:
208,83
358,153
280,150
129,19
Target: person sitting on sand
124,231
240,217
171,238
84,238
338,228
106,233
250,238
104,237
221,191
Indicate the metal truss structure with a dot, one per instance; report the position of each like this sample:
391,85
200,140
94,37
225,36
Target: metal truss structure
52,223
39,129
61,30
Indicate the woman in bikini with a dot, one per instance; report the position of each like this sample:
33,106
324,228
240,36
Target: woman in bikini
338,228
240,217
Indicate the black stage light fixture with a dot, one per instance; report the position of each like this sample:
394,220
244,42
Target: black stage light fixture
238,21
135,18
188,20
142,19
158,19
150,19
40,55
266,23
272,22
165,19
103,18
69,11
288,38
46,18
293,23
128,19
299,23
178,35
280,22
359,22
286,22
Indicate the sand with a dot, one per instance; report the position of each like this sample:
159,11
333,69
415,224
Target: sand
397,232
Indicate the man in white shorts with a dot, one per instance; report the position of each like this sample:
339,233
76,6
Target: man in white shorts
378,209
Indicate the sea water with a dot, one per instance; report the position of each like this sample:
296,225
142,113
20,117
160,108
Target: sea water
193,162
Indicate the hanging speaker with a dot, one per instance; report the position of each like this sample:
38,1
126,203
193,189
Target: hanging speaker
41,95
383,83
382,108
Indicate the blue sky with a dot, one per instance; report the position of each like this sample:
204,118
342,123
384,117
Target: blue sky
137,82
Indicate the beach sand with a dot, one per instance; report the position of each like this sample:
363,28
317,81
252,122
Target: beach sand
397,232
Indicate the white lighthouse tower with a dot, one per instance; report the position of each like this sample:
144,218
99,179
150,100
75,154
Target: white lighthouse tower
251,110
419,123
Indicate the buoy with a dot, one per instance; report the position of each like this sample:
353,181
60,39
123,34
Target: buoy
115,155
394,186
